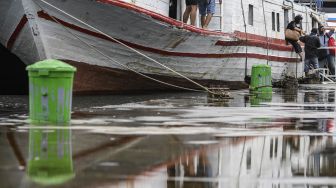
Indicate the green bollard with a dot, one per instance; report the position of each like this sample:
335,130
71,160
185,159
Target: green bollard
50,156
50,91
261,79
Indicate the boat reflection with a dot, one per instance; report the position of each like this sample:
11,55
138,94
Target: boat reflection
196,167
289,95
258,162
184,162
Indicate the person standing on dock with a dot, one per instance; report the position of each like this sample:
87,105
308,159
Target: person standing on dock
312,43
295,25
190,11
207,10
326,60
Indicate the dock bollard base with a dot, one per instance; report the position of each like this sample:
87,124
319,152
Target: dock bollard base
218,93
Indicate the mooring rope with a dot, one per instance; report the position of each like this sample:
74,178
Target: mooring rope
121,43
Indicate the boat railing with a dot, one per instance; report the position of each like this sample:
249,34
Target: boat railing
326,76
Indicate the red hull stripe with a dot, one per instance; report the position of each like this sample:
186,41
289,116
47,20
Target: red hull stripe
168,53
16,32
243,36
256,43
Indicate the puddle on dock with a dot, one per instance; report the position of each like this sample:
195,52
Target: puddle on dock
286,139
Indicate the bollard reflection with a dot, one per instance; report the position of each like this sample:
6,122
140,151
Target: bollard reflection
50,156
258,98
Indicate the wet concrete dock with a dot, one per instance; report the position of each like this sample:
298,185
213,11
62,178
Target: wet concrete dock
286,139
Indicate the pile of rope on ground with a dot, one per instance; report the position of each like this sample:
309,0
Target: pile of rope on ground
310,79
288,82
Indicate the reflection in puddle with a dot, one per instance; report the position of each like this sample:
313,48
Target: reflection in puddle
240,161
50,156
285,139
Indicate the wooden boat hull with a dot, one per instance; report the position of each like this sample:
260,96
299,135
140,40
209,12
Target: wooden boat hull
105,65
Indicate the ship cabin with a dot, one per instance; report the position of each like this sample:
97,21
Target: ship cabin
267,18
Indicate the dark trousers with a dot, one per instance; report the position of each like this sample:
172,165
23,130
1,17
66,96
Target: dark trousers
311,62
295,45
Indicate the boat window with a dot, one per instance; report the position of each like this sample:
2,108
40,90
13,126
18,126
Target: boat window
173,9
278,22
248,159
250,15
286,18
276,147
271,148
273,21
